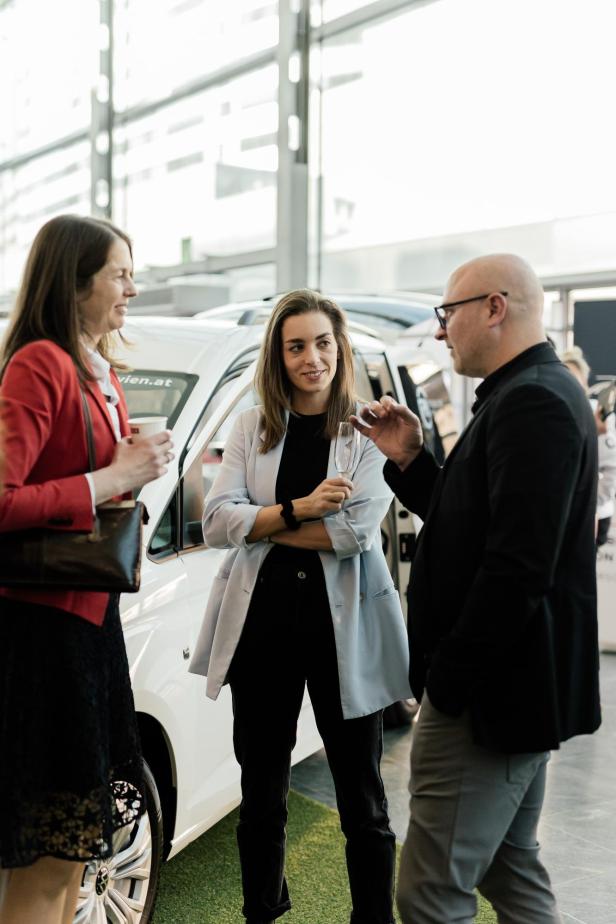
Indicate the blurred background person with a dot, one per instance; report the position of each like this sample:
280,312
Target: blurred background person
576,362
70,772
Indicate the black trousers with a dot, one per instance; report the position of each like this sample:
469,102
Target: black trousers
288,641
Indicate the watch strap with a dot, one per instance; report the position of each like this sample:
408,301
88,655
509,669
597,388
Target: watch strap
288,515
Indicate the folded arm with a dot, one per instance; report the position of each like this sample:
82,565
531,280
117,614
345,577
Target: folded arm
339,519
309,536
231,519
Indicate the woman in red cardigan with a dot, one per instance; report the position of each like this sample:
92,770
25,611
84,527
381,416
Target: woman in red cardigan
67,723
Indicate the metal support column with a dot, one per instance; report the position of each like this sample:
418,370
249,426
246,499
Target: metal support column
292,202
101,126
562,320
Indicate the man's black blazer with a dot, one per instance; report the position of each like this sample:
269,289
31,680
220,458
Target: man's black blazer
502,599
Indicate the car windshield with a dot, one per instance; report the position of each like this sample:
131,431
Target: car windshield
375,320
157,392
397,317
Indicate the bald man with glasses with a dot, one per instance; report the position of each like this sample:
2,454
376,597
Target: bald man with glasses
502,601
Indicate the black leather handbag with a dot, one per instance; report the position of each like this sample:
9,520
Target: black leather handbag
106,559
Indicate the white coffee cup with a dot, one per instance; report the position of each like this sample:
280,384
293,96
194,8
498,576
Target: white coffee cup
146,426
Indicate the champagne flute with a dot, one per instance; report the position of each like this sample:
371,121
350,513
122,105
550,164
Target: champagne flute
346,450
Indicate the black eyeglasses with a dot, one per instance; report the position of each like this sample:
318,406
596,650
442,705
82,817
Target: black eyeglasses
444,312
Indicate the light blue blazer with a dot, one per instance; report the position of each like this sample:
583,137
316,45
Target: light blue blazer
371,639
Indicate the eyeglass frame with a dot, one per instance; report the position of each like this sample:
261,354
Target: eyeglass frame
442,319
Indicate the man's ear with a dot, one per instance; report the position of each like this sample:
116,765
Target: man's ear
497,305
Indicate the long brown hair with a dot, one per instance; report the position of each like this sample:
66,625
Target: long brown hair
65,255
272,382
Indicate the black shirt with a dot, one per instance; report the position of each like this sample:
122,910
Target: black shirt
539,352
303,466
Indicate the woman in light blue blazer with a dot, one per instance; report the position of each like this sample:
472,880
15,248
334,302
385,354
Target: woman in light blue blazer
304,597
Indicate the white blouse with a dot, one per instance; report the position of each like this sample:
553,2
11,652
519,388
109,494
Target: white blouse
101,370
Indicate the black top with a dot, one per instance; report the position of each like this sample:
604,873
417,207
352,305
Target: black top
502,599
303,466
535,354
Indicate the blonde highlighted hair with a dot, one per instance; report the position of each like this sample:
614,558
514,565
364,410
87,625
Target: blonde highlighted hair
271,380
575,357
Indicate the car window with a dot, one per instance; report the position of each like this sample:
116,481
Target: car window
431,382
375,320
218,396
379,375
164,541
152,392
363,388
175,532
200,476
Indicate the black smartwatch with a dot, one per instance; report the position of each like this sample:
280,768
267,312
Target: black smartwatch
288,516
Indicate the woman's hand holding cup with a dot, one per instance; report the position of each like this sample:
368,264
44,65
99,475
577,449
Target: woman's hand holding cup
138,459
148,450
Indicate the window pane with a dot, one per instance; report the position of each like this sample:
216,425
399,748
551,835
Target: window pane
48,68
29,196
379,375
325,10
198,178
500,141
164,45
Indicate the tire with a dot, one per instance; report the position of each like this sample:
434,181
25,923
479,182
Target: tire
400,714
122,889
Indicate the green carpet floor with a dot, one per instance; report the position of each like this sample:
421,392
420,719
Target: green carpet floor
202,884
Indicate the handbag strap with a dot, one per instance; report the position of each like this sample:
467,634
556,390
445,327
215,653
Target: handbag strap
89,433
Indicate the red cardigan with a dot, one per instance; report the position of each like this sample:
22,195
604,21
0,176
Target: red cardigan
46,455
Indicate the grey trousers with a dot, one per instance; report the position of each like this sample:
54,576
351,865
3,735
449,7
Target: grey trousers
474,817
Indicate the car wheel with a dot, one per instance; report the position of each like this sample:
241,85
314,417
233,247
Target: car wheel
122,888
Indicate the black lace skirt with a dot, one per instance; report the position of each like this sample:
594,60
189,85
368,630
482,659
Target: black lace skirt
70,762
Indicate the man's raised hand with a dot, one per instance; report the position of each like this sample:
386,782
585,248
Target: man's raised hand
392,427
